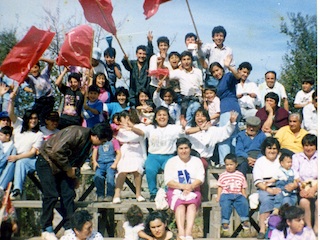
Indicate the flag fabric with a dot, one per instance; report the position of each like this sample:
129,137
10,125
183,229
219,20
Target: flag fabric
158,73
26,53
151,7
99,12
77,47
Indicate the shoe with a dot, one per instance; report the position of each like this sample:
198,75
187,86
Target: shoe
86,166
188,238
220,166
260,235
225,227
116,200
182,238
48,236
152,198
15,194
100,199
108,199
245,225
141,199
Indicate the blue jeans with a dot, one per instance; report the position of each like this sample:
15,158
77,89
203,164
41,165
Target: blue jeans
280,199
103,173
228,145
153,164
7,175
238,201
23,167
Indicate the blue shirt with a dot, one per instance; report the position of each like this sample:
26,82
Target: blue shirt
114,107
245,144
93,119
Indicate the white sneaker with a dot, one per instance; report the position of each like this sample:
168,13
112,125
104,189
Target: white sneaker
141,199
116,200
48,236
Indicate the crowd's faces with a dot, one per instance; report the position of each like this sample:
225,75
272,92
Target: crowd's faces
94,62
230,166
190,40
183,152
35,71
209,95
217,72
309,150
296,225
218,39
74,84
33,121
186,63
174,61
163,47
286,163
100,81
162,118
244,74
93,96
294,124
271,102
157,228
200,119
4,122
306,87
4,137
252,130
143,98
271,152
51,125
121,98
270,79
109,60
141,56
85,232
168,98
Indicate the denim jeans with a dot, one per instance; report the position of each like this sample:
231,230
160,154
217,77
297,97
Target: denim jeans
23,167
280,199
153,164
7,175
238,201
104,173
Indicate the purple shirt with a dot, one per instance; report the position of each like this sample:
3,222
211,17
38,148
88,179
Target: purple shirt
306,169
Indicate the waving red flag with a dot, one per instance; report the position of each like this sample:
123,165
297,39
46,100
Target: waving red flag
26,53
99,12
76,48
151,7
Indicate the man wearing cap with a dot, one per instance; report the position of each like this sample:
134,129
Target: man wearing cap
52,122
4,119
96,63
248,144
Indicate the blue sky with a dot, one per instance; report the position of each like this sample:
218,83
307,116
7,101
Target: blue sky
253,26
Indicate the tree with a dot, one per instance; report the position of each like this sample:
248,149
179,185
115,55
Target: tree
301,59
7,40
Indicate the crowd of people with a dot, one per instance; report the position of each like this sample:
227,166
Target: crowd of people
181,115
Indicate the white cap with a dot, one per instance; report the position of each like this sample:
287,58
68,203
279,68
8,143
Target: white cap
96,53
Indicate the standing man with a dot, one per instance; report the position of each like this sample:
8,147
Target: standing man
272,85
58,166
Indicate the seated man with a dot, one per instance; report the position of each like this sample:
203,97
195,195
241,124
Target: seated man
290,136
310,115
272,117
248,144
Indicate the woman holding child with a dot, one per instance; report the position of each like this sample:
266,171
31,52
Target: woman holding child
183,175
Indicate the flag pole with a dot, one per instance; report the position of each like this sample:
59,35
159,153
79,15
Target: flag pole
194,25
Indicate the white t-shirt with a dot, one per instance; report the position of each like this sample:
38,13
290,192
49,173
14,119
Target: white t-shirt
278,89
246,101
303,97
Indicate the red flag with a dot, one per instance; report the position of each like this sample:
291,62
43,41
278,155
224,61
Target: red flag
159,73
99,12
26,53
76,48
151,7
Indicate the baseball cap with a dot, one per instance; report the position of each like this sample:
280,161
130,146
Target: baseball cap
53,116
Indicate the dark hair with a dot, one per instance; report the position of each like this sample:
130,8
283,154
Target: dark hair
174,53
183,140
141,47
210,88
288,213
186,53
273,96
26,118
158,109
215,64
269,142
308,80
79,218
102,131
161,215
122,90
94,88
143,90
190,35
110,51
123,114
116,116
74,75
204,113
310,140
219,29
7,130
314,94
163,39
284,155
134,215
273,72
106,85
231,157
246,65
164,91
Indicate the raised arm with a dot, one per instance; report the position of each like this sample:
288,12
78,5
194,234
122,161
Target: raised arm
227,64
60,78
50,62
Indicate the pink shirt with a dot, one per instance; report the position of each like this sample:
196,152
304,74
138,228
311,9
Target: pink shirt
232,182
306,169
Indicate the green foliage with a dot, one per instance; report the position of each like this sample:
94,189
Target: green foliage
301,60
7,40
